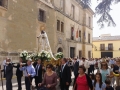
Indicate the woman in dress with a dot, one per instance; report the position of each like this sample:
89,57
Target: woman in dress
82,81
50,78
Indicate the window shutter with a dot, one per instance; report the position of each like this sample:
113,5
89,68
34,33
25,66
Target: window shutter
44,16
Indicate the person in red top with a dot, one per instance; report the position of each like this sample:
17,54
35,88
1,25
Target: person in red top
82,81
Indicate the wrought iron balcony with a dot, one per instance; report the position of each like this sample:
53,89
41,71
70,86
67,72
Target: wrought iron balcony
106,49
72,37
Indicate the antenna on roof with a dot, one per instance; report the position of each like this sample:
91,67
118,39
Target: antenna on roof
99,37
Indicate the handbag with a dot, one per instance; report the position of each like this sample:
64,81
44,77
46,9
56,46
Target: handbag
42,88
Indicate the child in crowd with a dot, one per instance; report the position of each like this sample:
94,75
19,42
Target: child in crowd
98,84
108,87
92,76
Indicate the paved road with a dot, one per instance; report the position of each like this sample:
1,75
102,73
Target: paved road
15,85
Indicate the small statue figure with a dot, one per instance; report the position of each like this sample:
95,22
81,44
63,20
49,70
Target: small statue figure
43,42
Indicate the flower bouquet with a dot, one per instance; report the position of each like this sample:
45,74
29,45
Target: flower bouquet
44,55
59,55
34,56
24,55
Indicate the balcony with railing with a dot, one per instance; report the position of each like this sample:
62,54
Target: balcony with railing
110,48
102,48
72,37
106,49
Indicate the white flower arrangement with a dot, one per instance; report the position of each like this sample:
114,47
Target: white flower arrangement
34,56
29,56
44,55
24,55
59,55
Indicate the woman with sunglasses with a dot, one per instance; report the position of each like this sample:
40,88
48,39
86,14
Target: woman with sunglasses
50,78
105,72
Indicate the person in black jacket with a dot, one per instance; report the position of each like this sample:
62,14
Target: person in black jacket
82,74
116,71
38,69
9,73
65,75
19,74
76,66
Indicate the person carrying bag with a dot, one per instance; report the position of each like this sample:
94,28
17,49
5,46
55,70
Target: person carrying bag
50,79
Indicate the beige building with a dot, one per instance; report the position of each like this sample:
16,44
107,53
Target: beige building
106,46
68,26
74,28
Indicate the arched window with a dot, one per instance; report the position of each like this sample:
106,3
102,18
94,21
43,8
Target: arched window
60,49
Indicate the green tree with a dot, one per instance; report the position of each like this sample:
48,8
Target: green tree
103,10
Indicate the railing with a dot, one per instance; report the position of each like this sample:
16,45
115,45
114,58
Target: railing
110,48
106,49
102,48
72,37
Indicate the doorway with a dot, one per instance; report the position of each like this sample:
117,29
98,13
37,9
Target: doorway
80,54
106,54
72,52
60,49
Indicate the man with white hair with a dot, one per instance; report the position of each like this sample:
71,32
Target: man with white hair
29,73
8,69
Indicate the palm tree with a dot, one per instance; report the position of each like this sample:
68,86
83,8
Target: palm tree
103,10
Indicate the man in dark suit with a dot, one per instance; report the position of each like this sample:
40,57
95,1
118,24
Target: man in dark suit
19,74
9,74
65,75
76,66
38,68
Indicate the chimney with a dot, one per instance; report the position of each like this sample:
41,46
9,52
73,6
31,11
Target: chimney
99,37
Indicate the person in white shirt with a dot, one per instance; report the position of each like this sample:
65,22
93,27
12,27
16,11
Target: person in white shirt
99,63
85,63
91,69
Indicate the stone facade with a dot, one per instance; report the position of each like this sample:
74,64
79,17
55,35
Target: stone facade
20,26
76,43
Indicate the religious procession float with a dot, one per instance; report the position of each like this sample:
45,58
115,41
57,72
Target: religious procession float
44,51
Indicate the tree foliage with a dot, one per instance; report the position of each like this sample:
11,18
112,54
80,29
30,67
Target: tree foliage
103,10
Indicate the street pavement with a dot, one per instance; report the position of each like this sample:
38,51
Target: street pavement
15,85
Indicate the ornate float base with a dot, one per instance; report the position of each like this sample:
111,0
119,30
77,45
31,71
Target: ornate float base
53,62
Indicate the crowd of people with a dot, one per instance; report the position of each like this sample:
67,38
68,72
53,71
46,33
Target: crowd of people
90,74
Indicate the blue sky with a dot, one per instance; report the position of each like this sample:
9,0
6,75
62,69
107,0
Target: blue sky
115,13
